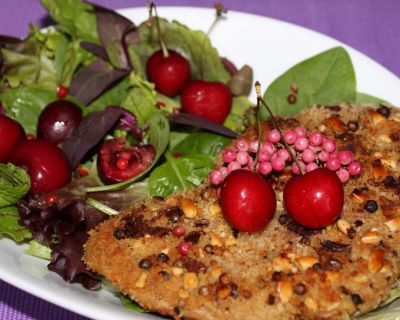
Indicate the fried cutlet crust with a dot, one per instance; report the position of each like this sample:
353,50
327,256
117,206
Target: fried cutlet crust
282,272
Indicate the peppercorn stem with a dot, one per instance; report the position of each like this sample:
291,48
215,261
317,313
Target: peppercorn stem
258,88
164,49
275,123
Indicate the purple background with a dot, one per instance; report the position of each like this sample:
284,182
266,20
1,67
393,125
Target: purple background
371,26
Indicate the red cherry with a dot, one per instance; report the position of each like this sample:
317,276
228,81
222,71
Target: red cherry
62,91
46,164
11,133
210,100
247,200
58,121
118,162
315,199
169,74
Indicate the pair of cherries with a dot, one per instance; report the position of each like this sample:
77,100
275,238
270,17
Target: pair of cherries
171,75
314,200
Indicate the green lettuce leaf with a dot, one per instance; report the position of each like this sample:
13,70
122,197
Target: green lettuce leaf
39,250
10,227
75,16
14,184
141,99
9,211
204,59
236,120
322,79
31,63
179,174
130,304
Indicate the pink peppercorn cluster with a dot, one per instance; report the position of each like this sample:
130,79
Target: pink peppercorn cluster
311,151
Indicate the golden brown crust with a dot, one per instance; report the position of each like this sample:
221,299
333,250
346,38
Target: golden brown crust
283,272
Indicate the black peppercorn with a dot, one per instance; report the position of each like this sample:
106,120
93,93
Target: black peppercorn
384,110
283,218
119,234
145,264
371,206
300,289
164,274
389,181
162,257
356,299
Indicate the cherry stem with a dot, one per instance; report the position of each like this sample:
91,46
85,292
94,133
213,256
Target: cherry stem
275,123
220,10
164,49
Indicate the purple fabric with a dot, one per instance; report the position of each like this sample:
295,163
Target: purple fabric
371,26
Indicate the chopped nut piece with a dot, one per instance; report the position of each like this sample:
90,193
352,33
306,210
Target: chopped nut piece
216,272
230,241
306,262
141,281
224,291
385,267
376,117
215,209
281,264
376,260
189,209
393,224
385,138
177,271
216,240
183,294
371,237
190,280
311,304
285,290
343,226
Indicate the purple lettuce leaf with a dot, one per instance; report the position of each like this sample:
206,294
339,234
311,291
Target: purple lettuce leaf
92,80
90,131
202,123
95,49
116,32
66,260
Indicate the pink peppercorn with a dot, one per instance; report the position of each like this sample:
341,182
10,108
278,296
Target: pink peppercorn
345,157
311,166
308,155
290,137
329,145
216,177
269,148
184,248
273,136
355,168
315,139
253,146
301,144
242,157
278,164
343,175
300,132
283,154
234,165
264,168
333,163
228,155
242,145
178,231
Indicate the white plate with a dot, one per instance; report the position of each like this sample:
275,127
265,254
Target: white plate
270,47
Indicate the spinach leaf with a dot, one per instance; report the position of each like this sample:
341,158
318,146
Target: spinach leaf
179,174
322,79
158,136
26,104
204,59
141,99
366,98
201,143
130,304
10,227
14,184
75,16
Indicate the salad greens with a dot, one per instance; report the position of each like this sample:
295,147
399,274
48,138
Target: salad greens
14,184
101,56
